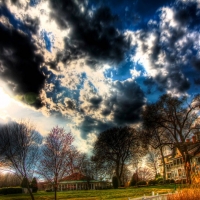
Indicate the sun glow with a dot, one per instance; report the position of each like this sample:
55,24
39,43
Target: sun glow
4,99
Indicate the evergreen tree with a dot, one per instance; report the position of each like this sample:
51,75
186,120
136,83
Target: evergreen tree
115,182
34,185
24,183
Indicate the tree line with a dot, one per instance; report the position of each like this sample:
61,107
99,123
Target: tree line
167,122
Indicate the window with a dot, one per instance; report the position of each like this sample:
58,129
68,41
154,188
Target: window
174,162
178,161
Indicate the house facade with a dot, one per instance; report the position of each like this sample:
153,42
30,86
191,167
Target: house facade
174,165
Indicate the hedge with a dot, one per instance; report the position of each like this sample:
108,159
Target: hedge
10,190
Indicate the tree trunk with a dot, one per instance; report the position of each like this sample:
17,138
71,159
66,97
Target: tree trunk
117,175
30,192
163,161
188,172
55,192
187,166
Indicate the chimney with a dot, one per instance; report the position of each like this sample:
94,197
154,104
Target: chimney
194,139
187,140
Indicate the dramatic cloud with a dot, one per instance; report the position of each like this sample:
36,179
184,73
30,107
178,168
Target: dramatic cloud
168,48
20,60
92,33
95,63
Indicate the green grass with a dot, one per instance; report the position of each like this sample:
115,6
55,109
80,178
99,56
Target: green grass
112,194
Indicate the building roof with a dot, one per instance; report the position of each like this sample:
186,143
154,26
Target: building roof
75,177
78,178
193,149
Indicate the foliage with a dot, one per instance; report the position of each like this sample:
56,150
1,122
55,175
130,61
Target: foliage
159,179
34,185
152,182
140,183
172,181
25,183
10,190
158,175
115,182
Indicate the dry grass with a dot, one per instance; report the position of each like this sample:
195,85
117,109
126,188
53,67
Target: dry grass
186,194
190,193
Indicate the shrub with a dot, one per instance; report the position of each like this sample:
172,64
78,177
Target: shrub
49,190
152,182
115,182
133,182
141,183
161,182
167,181
172,181
159,179
11,190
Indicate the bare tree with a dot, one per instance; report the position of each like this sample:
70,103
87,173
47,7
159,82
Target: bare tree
145,174
178,118
157,138
56,156
152,160
117,146
19,143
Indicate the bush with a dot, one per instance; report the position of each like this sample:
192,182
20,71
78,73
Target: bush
49,190
161,182
159,179
115,182
152,182
172,181
167,181
141,183
10,190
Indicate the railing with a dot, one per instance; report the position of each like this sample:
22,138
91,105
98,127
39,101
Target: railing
156,197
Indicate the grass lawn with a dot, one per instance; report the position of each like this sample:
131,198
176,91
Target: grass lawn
118,194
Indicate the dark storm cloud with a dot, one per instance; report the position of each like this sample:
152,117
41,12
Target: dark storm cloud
90,124
121,106
133,13
126,101
187,14
92,33
20,64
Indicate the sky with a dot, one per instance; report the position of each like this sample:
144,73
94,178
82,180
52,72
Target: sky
89,65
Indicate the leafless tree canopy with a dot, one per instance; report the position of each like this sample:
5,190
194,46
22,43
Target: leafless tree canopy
116,147
19,148
57,156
